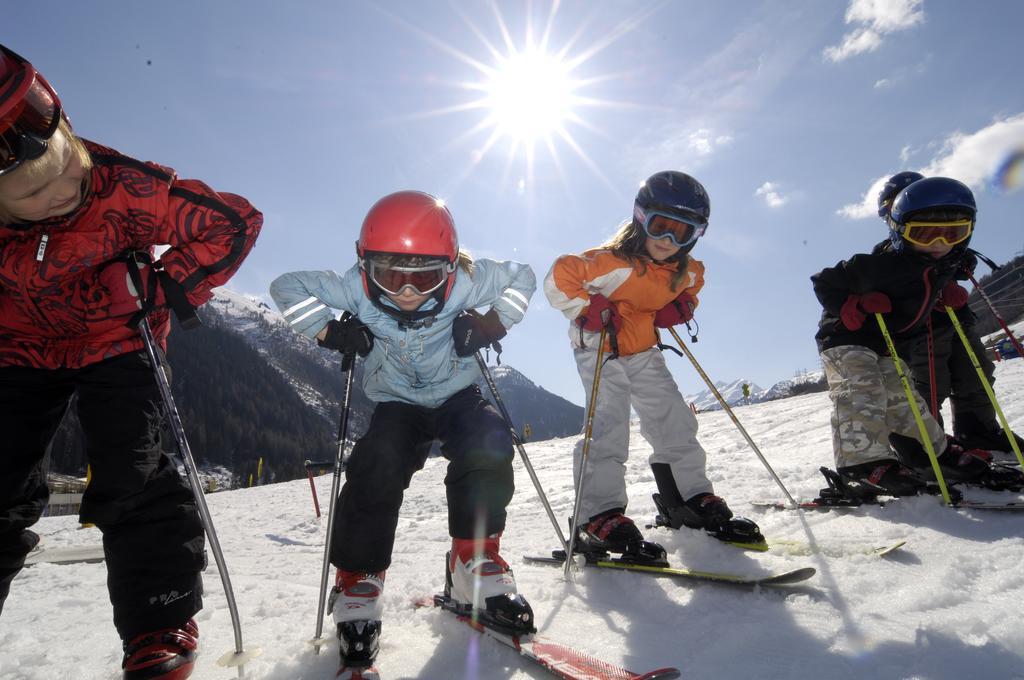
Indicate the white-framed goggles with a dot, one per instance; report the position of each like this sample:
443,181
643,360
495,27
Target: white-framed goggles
393,277
679,230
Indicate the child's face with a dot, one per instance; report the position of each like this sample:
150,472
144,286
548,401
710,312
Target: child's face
935,250
408,300
55,192
660,248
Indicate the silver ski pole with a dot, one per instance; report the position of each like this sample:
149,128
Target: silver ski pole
347,365
519,446
735,420
587,432
239,656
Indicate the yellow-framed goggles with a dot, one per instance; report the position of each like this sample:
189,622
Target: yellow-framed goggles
927,233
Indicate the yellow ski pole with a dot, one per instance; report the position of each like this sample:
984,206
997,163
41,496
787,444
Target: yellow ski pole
986,384
925,439
587,432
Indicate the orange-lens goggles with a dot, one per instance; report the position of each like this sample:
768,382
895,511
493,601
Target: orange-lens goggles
927,233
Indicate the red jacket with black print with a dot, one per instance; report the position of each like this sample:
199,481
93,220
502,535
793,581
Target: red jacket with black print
64,294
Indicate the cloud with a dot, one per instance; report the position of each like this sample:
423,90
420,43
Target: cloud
704,142
877,18
771,194
975,159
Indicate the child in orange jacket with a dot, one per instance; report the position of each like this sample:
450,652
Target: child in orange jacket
641,280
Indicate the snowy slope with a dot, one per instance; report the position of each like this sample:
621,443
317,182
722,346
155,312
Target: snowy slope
946,606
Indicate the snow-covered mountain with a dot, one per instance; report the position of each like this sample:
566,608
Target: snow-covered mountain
946,606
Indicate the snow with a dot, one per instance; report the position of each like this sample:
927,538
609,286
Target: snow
945,606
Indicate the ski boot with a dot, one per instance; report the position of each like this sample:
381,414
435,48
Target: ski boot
959,465
166,654
886,477
613,532
356,606
480,584
710,513
994,441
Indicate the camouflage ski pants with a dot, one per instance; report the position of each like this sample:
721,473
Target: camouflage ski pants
868,403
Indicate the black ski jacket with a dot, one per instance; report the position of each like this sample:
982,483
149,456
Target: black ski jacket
912,282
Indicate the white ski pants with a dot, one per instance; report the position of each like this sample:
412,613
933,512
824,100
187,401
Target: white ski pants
642,381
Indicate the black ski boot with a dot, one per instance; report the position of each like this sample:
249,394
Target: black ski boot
990,440
709,512
886,477
613,532
359,642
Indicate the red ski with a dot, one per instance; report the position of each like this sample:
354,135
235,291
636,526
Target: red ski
556,658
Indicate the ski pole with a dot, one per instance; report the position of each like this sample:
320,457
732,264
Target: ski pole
239,656
735,420
992,308
347,365
519,446
986,384
587,432
925,439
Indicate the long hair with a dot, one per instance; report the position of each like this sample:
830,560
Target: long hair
629,244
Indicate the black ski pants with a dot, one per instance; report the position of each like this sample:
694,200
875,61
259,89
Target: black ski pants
955,376
152,535
479,483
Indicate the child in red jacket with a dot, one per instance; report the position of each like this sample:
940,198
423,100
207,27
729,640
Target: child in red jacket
74,217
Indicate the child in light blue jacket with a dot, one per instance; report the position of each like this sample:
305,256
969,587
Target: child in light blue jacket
408,296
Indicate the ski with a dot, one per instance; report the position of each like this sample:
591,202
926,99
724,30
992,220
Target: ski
67,555
834,549
560,660
827,504
603,561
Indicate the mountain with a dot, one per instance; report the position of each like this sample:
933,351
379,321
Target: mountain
248,388
801,383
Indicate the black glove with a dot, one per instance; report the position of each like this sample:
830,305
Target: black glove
473,332
348,335
965,268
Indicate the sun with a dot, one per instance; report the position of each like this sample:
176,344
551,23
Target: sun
530,96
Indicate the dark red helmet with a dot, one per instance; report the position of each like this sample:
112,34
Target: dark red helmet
29,111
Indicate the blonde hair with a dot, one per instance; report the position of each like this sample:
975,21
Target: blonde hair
629,243
48,162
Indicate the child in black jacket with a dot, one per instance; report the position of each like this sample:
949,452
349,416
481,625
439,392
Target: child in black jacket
930,225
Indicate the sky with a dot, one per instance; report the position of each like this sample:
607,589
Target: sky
945,606
537,121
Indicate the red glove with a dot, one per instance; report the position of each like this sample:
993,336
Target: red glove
600,310
676,312
857,307
954,295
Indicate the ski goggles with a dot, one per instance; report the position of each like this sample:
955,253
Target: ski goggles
927,233
680,231
394,278
26,125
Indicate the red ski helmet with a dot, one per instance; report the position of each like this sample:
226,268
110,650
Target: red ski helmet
30,111
410,223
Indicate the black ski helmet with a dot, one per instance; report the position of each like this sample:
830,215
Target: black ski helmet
934,198
674,194
893,186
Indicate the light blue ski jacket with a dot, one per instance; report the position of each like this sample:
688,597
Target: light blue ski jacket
416,366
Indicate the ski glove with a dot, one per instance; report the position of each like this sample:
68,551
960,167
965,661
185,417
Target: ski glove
954,295
857,307
676,312
472,333
347,335
600,313
138,286
965,268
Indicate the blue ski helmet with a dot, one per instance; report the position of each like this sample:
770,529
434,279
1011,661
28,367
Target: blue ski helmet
675,195
893,186
938,199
